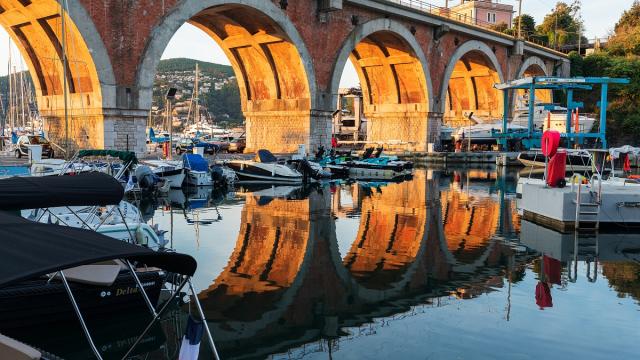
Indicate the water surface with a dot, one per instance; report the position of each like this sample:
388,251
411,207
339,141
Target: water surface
438,267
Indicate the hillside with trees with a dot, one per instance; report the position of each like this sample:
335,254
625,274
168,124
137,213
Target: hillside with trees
218,90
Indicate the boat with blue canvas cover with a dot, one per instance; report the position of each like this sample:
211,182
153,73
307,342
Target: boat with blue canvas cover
197,170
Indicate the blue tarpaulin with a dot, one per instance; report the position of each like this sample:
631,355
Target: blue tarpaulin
195,162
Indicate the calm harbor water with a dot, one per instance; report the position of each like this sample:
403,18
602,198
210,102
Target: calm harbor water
438,267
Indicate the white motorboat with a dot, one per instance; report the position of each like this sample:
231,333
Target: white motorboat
123,222
171,171
577,160
197,170
556,117
484,132
264,168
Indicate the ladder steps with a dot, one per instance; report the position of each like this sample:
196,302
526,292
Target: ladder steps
589,213
586,204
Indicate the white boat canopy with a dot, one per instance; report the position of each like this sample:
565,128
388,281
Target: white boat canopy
627,149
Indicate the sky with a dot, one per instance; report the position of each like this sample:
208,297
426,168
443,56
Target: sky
599,17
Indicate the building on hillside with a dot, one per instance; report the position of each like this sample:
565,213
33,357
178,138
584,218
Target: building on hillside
481,12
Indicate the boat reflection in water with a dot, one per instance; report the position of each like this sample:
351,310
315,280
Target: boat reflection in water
367,269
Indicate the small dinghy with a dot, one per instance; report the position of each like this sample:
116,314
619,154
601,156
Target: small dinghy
264,168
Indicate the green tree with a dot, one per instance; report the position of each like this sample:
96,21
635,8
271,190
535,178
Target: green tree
562,25
501,27
577,64
626,37
528,26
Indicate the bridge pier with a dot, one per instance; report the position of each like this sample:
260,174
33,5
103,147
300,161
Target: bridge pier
283,131
399,130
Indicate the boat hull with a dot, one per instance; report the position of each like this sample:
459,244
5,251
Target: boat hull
198,178
175,177
574,162
363,173
260,172
38,302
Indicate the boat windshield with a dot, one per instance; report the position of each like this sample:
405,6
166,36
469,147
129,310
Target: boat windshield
265,156
37,140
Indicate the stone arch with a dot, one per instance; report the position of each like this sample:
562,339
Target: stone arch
532,62
388,60
472,89
534,66
36,29
270,60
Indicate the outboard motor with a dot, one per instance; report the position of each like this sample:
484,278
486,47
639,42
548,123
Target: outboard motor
320,152
367,153
147,180
378,152
217,176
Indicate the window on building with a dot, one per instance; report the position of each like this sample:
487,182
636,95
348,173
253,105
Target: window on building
491,17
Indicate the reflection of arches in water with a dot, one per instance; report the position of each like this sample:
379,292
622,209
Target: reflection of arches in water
383,258
265,270
390,234
469,225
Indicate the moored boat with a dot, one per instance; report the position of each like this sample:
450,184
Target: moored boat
264,168
171,171
197,170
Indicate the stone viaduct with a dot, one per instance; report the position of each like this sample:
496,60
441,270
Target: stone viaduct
416,68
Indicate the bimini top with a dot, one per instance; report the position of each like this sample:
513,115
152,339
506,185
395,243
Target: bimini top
30,249
627,149
195,162
88,189
124,156
265,156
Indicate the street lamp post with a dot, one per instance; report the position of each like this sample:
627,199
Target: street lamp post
519,19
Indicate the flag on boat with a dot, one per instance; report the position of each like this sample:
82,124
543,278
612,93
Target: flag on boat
130,185
190,348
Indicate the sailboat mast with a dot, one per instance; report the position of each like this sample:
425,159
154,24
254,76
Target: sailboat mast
24,119
195,91
63,10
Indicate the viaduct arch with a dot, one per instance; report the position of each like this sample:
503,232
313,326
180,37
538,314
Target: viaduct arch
36,29
468,84
395,79
270,60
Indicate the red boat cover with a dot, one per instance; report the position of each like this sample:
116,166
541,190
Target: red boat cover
543,295
557,167
552,269
550,142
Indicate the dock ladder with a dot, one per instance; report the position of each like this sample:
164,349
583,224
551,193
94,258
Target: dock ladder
587,211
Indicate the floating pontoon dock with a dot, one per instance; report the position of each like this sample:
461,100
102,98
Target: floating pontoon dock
568,208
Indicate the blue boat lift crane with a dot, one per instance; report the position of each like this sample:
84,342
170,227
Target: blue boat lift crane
532,138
